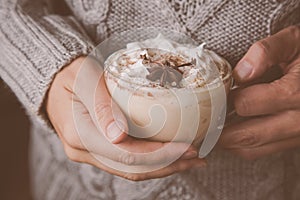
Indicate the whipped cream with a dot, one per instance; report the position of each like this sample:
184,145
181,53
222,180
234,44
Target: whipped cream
204,66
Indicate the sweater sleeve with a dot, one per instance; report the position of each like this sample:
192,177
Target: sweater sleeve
34,45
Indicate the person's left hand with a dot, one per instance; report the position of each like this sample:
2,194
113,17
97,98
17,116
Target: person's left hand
273,108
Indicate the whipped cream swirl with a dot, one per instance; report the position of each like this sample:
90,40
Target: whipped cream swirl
204,66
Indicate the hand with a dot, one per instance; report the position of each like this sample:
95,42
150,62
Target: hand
91,121
273,109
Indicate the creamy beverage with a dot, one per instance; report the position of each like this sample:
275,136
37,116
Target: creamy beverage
165,88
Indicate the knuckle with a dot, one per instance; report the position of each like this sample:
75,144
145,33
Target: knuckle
71,153
247,137
127,158
101,110
241,105
294,34
285,88
262,47
294,31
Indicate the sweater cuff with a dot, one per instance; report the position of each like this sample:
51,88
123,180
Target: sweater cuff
34,50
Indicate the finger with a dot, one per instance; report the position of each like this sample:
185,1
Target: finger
149,152
260,131
269,98
279,48
177,166
108,115
82,134
267,149
260,99
91,90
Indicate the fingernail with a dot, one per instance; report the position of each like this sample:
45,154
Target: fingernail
114,130
189,155
243,70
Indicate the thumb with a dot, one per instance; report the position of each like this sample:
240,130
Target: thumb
279,48
109,116
91,89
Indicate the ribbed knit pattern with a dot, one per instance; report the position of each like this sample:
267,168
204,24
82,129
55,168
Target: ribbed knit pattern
36,44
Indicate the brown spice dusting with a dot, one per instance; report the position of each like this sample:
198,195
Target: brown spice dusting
165,69
150,94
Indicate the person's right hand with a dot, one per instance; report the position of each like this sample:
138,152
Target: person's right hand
84,118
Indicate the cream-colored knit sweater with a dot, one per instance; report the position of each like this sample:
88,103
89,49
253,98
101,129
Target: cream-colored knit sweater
35,42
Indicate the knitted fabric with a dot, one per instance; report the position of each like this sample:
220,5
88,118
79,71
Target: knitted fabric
36,43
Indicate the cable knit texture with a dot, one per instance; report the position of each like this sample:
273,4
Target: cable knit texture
36,43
